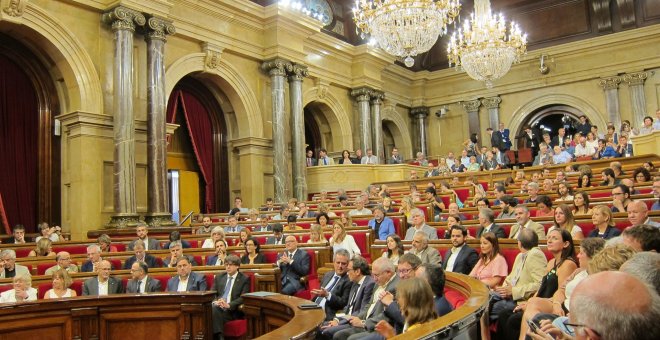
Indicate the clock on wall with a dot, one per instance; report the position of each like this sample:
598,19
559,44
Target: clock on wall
322,7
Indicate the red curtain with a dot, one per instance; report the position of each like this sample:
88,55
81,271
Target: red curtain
200,131
19,128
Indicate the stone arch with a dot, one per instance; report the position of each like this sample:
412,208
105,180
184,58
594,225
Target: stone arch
63,53
399,129
239,97
336,116
521,114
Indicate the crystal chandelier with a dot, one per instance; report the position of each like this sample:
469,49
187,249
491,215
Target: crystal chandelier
483,48
405,28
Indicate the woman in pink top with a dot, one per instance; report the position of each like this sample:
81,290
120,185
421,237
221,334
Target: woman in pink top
491,268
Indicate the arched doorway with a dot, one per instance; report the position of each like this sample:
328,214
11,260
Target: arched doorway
200,143
312,131
318,130
29,144
549,119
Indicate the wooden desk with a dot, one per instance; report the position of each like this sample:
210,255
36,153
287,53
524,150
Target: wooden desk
277,316
123,316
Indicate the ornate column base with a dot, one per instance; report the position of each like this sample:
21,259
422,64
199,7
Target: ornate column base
159,220
125,220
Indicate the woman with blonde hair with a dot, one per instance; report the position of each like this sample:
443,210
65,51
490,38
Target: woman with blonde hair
610,258
603,223
407,205
415,299
22,290
61,283
564,220
217,233
44,247
443,168
316,234
341,240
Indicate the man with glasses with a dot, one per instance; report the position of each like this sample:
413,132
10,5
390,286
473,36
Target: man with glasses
230,287
63,259
294,264
94,259
419,224
140,281
103,283
335,286
407,269
421,249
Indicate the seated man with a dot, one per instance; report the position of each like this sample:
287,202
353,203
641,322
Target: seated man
185,279
453,210
507,203
140,281
294,264
103,283
435,276
176,251
533,192
143,234
206,227
278,237
421,249
263,225
232,226
94,256
419,224
140,256
335,286
487,223
460,258
643,237
382,224
524,221
359,207
229,287
361,292
18,237
9,266
291,223
63,259
220,254
638,214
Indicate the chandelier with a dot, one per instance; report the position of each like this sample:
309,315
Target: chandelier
483,48
405,28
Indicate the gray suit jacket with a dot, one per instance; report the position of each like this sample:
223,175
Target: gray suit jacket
154,244
534,226
152,286
91,286
428,255
378,313
20,270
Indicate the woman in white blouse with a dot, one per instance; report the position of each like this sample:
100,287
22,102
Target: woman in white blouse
341,240
216,234
61,283
22,291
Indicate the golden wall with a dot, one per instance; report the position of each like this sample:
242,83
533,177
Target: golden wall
222,43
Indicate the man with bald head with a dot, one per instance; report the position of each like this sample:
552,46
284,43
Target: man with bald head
103,283
625,308
638,213
63,259
294,264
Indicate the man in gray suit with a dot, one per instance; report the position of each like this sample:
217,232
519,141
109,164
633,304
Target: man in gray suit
141,282
386,279
143,234
419,224
8,266
103,284
420,248
525,222
63,259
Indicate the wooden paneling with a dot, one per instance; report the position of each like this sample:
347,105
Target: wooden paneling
554,22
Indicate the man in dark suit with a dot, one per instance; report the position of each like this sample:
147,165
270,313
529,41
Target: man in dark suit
396,158
335,286
230,287
310,160
460,258
18,237
141,256
294,264
504,135
220,254
495,139
142,234
103,284
487,222
94,256
263,225
531,140
435,276
186,280
141,282
278,237
361,292
558,140
501,158
176,251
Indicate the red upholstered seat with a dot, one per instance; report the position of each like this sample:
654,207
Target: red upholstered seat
446,200
77,286
163,281
41,267
120,247
600,194
22,252
209,280
4,288
425,208
361,241
463,194
260,239
510,256
116,264
72,249
586,227
525,155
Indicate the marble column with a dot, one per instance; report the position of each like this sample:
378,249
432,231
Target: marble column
472,109
363,95
419,114
377,124
277,70
493,106
296,75
635,83
158,213
123,21
611,88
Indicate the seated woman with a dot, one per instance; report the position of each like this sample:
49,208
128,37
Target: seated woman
346,157
564,220
558,304
649,166
61,283
176,236
394,248
452,220
473,166
217,233
584,181
22,290
407,205
47,232
491,268
544,206
44,248
416,302
443,168
603,223
346,220
323,220
105,243
243,236
581,204
316,234
253,253
560,244
341,240
641,175
388,204
324,209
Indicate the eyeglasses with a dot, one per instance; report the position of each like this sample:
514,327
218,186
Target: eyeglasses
577,325
617,193
405,271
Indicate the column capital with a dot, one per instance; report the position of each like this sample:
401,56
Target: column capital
158,29
123,18
15,8
471,105
420,111
298,72
377,97
277,67
362,93
491,103
637,78
610,83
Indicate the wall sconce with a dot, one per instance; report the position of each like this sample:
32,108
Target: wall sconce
544,69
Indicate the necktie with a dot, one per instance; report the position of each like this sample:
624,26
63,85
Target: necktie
138,287
515,278
309,162
225,295
328,288
352,300
325,161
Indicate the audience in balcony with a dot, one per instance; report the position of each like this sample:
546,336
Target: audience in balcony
395,158
346,157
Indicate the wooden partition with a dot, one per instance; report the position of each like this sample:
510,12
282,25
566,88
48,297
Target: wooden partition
277,316
134,316
355,177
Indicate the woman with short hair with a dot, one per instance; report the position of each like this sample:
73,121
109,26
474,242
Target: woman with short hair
61,283
22,290
316,234
253,253
603,223
105,243
544,206
217,233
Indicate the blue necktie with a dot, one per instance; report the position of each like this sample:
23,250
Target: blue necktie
328,288
225,295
